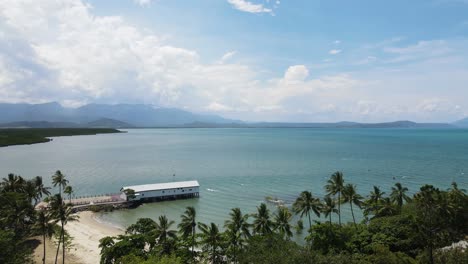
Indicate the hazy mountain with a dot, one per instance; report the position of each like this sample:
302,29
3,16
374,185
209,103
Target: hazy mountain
39,124
131,114
107,123
462,123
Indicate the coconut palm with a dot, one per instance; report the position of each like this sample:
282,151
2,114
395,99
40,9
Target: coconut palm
69,191
45,227
374,202
262,224
281,223
163,233
329,207
212,241
335,186
59,179
306,203
351,196
398,195
41,190
62,213
237,229
13,183
187,227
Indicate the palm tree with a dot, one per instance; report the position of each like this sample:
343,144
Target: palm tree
262,223
13,183
306,203
282,218
398,195
352,197
40,188
187,227
68,190
46,228
237,229
59,179
329,207
62,213
163,232
374,203
212,239
335,186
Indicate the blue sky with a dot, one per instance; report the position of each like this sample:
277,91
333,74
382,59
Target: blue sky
253,60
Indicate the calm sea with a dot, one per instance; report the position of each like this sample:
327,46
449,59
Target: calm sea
239,167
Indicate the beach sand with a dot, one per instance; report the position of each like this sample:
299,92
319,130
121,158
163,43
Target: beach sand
86,233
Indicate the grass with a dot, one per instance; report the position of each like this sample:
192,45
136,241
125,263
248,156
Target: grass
26,136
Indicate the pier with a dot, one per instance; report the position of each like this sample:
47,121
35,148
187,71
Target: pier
132,196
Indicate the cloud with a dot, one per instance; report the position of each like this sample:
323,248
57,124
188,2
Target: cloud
334,52
217,107
143,2
249,7
296,73
227,56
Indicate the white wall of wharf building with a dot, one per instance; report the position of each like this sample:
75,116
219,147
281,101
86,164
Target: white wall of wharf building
163,193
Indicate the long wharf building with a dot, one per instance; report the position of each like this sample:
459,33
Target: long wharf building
160,191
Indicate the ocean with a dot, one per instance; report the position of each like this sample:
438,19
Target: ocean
240,167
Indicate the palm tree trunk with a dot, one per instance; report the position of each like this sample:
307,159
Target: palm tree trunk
44,237
352,213
193,245
310,223
330,217
339,208
63,244
431,255
58,247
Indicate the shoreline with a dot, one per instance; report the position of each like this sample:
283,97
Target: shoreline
86,233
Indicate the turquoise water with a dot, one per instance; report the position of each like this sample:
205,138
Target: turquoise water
239,167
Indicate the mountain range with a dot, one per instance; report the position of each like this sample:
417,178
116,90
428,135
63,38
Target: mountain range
99,115
53,115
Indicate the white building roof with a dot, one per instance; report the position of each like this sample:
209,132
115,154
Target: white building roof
162,186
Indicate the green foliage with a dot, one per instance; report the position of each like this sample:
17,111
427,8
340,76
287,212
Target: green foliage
273,248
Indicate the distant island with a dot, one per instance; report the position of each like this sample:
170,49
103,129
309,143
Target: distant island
26,136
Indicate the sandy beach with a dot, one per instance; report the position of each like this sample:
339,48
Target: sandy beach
86,234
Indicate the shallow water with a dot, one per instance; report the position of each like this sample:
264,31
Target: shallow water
239,167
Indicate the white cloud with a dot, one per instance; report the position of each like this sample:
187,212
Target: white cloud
336,42
217,107
249,7
334,51
296,73
143,2
227,56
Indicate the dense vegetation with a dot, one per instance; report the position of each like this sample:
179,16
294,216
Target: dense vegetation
24,136
396,228
19,220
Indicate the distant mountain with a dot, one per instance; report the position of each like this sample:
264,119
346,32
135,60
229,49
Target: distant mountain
396,124
39,124
100,123
462,123
128,114
107,123
139,115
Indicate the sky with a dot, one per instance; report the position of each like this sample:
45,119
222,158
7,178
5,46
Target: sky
253,60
